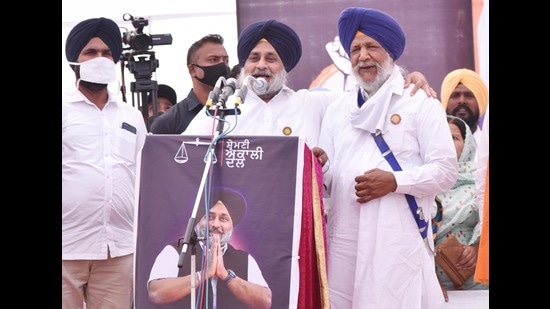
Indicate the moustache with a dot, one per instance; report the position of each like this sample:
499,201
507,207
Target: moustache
262,73
462,108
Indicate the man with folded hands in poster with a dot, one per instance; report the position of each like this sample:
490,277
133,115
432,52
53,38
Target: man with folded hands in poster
235,277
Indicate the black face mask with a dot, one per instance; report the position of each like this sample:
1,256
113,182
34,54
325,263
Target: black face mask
213,72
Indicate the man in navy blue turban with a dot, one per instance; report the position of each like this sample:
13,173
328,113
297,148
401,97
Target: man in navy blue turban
374,23
103,28
267,51
285,41
101,138
371,191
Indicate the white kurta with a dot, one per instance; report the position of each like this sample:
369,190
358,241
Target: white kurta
376,256
288,113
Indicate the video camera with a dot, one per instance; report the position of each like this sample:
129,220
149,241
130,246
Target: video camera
141,61
141,42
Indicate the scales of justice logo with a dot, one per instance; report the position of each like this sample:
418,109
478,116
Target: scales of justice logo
235,152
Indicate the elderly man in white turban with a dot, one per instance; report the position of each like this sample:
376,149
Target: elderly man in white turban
380,254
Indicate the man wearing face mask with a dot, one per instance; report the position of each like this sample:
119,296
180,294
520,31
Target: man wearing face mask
207,60
101,138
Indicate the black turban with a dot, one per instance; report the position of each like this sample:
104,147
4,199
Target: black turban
374,23
233,200
285,41
103,28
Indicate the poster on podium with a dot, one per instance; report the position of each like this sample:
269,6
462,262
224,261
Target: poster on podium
281,227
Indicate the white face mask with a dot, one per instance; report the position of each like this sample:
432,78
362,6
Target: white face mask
100,70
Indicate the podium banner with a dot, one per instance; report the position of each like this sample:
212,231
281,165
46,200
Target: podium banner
282,228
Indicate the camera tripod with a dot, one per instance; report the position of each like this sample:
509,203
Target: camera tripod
143,69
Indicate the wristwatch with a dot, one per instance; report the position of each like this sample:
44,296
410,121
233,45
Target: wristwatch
230,276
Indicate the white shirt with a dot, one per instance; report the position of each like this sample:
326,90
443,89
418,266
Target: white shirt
99,152
376,256
166,266
300,111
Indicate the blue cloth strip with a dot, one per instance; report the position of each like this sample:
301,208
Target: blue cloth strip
416,211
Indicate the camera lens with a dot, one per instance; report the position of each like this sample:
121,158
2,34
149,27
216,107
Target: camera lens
141,42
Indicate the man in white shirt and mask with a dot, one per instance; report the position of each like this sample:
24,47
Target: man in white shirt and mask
101,139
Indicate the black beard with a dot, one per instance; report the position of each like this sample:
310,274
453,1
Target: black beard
92,86
470,120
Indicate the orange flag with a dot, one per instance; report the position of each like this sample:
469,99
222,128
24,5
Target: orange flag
482,268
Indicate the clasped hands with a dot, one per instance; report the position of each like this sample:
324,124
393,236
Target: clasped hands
216,267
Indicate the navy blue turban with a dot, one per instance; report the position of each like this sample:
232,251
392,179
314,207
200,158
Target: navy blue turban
285,41
374,23
103,28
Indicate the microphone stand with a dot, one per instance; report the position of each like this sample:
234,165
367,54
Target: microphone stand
190,237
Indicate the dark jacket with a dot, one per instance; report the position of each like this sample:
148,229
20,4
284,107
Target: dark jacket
177,118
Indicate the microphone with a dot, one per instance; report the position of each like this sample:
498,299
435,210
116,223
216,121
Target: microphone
213,95
219,82
227,90
258,84
241,94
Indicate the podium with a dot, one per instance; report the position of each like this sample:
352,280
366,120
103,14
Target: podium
283,227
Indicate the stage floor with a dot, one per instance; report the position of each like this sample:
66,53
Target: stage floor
477,299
